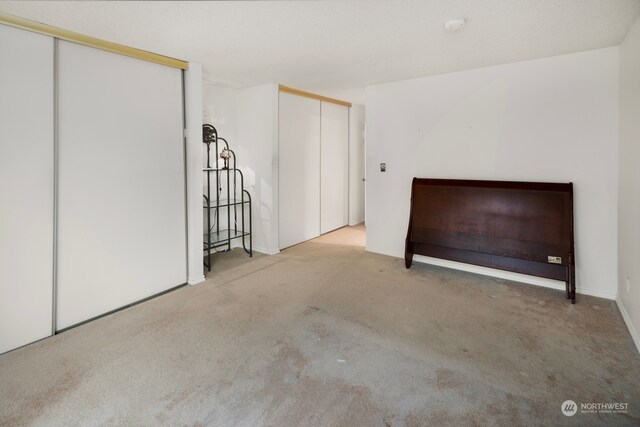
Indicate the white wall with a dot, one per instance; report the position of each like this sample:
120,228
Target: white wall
629,183
257,150
248,120
551,119
219,110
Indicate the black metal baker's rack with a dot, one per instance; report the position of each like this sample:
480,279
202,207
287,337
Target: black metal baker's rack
221,233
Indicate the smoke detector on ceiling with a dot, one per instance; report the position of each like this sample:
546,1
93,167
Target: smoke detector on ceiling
454,24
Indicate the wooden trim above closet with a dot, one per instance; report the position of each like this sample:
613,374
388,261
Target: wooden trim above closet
38,27
299,92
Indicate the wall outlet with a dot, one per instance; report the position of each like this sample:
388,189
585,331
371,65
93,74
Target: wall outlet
628,285
383,167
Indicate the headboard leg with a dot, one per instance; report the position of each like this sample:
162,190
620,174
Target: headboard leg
408,254
571,280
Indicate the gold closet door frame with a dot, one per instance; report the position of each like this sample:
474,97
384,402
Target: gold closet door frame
293,91
62,34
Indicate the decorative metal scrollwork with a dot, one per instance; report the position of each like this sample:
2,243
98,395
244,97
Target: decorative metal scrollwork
209,134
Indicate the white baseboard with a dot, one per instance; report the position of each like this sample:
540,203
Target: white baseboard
507,275
267,251
360,221
196,280
598,294
627,319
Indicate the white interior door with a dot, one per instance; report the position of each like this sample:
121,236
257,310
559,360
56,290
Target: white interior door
122,229
334,167
356,164
299,169
26,187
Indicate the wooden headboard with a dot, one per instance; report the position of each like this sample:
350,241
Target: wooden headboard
524,227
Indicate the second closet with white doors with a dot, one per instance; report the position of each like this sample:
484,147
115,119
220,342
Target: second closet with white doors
313,159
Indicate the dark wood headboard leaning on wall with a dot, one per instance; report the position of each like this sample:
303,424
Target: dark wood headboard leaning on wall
524,227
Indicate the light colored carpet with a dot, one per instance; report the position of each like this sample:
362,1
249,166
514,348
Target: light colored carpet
328,334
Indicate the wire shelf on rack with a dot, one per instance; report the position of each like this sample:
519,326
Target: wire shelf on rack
219,238
223,203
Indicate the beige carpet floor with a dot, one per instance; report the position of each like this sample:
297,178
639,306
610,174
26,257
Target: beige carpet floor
327,334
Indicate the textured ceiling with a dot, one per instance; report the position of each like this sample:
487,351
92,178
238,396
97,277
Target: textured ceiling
332,45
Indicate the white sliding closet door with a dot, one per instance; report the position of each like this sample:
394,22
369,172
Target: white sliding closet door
26,187
334,167
122,227
299,169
